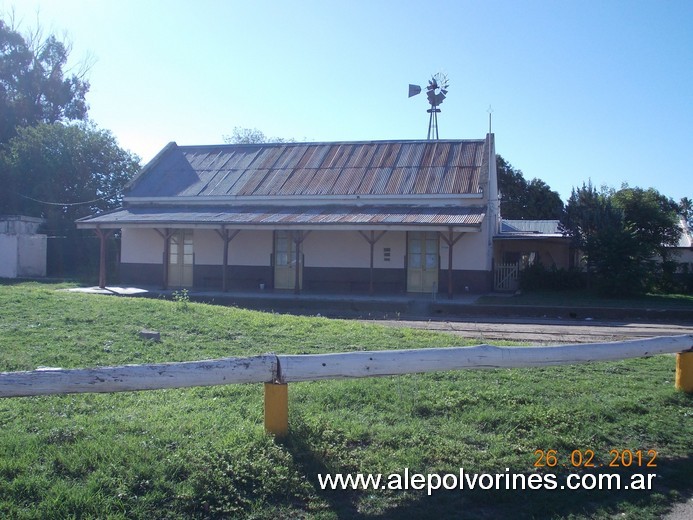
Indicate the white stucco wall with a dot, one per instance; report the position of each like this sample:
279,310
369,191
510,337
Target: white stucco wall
8,256
208,247
397,242
31,255
350,249
321,248
250,248
246,248
336,249
467,253
22,255
141,246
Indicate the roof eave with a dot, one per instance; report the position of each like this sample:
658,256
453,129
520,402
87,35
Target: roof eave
457,228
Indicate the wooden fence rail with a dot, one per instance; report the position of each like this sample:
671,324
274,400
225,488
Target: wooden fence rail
278,370
227,371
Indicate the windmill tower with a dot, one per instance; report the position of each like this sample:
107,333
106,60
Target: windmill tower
436,91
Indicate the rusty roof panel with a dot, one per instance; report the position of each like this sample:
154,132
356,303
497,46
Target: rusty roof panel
345,156
410,154
381,177
382,168
272,183
408,181
442,153
322,182
249,183
362,156
347,179
297,183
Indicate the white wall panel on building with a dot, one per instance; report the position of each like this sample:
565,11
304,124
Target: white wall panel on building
8,256
141,246
250,247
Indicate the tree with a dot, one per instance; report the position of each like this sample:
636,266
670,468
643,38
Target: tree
620,233
34,86
653,217
242,135
63,172
533,200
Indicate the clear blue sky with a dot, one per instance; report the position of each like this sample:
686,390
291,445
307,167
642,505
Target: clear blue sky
597,89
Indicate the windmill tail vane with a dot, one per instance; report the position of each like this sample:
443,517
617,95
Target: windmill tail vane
436,91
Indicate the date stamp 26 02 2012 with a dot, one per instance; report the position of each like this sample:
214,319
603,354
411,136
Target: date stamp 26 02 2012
586,459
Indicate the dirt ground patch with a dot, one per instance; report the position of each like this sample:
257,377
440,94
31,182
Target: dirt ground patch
543,331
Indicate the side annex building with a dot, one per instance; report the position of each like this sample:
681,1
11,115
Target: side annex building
385,217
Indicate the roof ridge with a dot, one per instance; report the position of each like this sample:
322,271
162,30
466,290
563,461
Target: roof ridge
315,143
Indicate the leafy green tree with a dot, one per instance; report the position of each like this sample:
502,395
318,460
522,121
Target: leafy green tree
653,217
620,233
63,172
34,86
520,199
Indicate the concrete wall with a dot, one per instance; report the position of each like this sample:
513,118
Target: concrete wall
22,255
31,253
8,256
19,225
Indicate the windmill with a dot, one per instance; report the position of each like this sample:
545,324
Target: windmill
435,91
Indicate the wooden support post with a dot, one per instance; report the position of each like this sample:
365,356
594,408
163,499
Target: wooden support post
684,372
103,236
298,237
277,409
166,234
450,241
227,236
372,239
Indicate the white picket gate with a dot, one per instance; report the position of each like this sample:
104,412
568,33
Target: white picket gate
507,277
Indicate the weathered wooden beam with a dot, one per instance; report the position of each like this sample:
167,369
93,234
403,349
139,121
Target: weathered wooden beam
127,378
294,368
396,362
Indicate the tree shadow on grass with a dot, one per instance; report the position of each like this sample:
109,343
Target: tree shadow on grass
673,482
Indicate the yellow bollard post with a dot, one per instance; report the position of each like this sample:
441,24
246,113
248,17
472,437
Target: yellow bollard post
684,372
277,409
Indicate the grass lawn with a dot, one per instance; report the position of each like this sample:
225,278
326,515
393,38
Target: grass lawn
202,452
589,299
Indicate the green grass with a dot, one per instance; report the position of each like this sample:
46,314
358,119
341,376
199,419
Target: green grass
589,299
202,452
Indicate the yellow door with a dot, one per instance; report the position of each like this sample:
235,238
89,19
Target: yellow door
285,262
422,262
180,259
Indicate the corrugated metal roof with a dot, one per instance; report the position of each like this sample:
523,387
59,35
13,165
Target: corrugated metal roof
309,215
539,227
304,169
